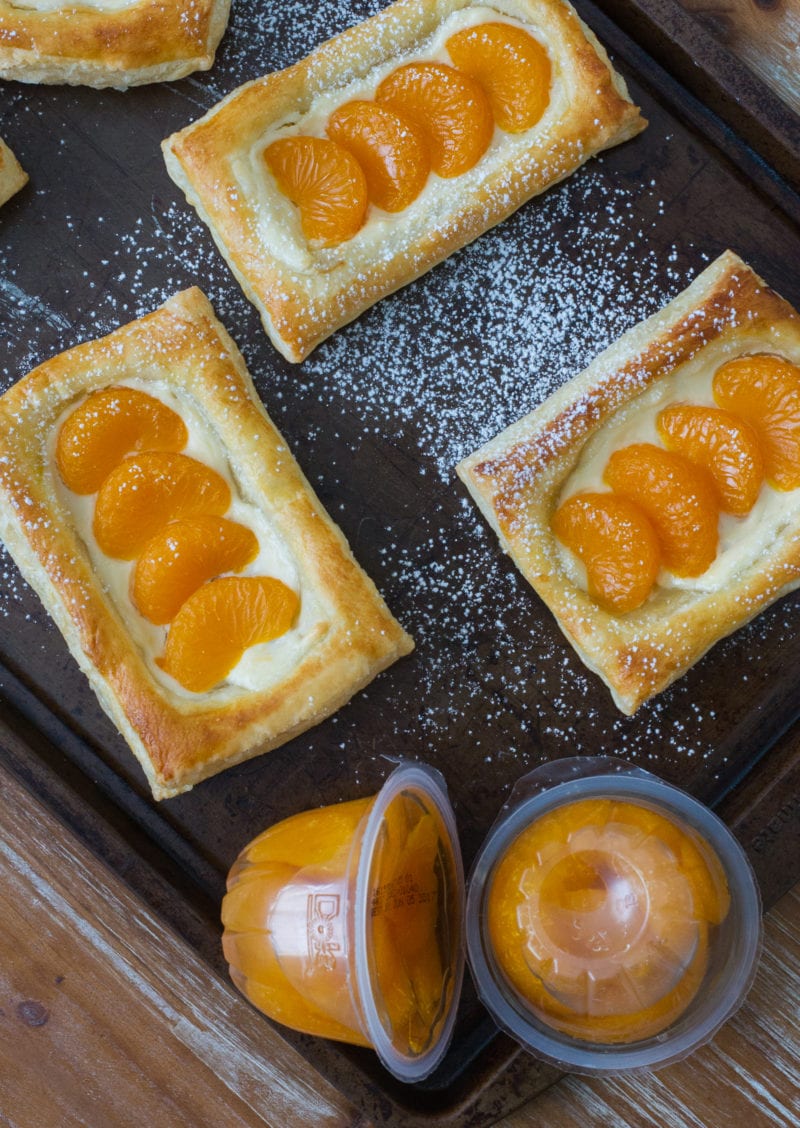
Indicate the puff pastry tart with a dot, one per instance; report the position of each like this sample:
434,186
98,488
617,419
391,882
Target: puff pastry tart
102,43
147,497
12,175
653,502
335,182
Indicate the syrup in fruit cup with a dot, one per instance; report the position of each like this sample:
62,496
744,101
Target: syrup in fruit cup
346,921
599,914
612,921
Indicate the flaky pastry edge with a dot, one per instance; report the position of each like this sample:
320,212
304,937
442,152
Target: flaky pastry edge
147,41
296,314
517,477
179,738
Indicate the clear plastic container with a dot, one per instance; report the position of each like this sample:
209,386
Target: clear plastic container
613,922
347,921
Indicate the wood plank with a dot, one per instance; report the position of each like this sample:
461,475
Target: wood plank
764,34
683,47
764,814
629,228
748,1075
129,1026
108,1017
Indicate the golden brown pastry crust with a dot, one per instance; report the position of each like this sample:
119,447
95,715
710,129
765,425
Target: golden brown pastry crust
301,307
12,175
517,480
178,737
145,41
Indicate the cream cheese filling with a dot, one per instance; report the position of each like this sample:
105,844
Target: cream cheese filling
436,206
742,540
259,667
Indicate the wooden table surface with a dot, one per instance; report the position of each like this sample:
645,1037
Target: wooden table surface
764,34
109,1019
739,58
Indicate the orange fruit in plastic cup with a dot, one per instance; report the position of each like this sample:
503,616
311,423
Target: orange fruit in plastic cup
347,922
613,922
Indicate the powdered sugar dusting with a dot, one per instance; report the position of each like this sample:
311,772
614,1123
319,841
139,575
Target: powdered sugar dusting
380,414
267,37
402,375
534,319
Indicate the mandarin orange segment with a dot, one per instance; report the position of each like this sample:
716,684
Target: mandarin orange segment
450,109
388,146
679,499
764,390
109,424
723,445
416,922
709,885
511,66
274,995
429,987
248,903
394,835
147,491
409,970
322,834
182,557
606,939
617,544
219,622
325,182
395,992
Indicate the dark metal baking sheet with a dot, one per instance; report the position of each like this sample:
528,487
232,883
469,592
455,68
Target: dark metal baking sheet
377,417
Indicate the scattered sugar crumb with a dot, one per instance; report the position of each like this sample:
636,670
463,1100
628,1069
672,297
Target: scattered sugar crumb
532,302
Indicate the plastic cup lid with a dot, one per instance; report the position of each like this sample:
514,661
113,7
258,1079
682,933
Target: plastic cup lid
408,920
596,944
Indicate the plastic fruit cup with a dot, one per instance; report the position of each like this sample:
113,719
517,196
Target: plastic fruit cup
613,922
347,922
